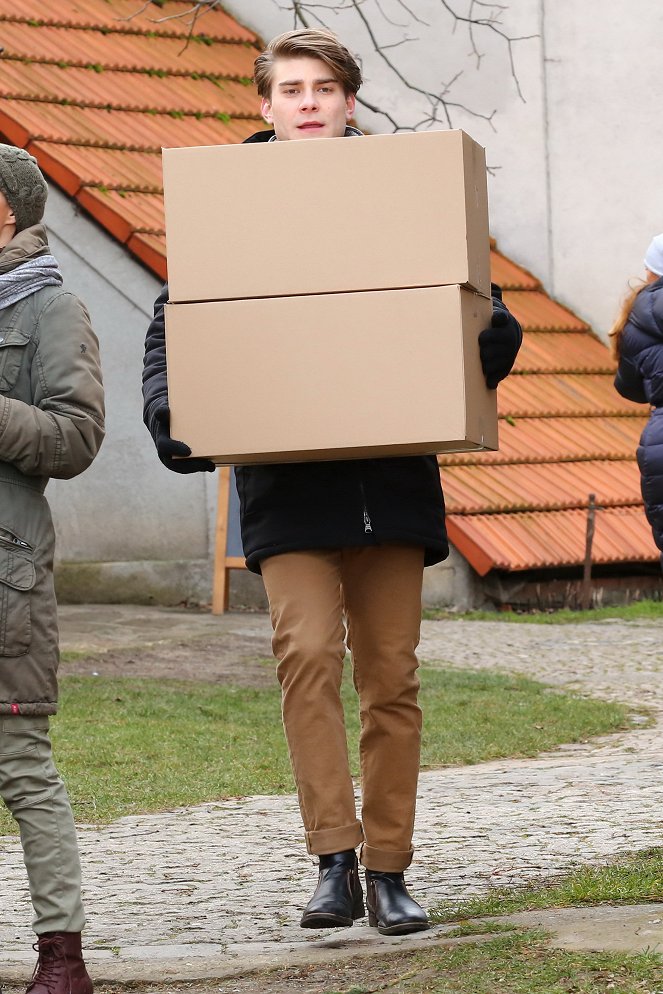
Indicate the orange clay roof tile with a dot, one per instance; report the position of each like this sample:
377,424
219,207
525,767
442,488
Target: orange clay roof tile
95,92
95,89
545,540
509,276
128,15
571,352
537,312
532,440
124,213
101,51
554,395
75,166
127,130
150,249
118,90
564,433
540,486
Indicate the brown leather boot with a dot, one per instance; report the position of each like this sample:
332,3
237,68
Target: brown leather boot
60,968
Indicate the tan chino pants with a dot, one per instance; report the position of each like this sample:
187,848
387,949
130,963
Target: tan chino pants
378,589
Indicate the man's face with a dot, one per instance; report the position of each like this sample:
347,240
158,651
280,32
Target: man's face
7,222
306,101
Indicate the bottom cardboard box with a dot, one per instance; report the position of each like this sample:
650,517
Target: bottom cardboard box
331,376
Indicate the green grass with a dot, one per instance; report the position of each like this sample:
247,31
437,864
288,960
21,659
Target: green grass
73,655
467,928
524,963
633,879
126,746
646,610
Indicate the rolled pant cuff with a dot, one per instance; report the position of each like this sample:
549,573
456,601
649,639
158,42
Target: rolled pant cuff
76,924
328,840
385,860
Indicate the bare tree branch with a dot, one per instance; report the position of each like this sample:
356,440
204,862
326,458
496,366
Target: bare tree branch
136,13
397,44
493,23
437,101
415,17
488,18
199,8
394,24
482,16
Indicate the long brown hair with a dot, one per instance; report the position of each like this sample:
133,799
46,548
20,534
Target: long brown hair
617,329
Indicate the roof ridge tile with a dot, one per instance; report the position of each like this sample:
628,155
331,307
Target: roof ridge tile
142,70
155,111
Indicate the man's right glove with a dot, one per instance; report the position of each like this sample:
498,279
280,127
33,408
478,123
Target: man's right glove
168,447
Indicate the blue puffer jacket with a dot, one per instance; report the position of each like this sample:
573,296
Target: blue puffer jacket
640,378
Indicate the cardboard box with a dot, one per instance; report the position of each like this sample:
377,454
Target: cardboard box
326,216
290,379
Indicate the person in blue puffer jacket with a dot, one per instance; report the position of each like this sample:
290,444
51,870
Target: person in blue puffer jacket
637,339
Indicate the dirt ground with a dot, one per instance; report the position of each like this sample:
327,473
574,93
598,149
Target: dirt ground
244,660
399,974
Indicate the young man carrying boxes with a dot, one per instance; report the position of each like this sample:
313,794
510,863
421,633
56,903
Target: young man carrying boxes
337,540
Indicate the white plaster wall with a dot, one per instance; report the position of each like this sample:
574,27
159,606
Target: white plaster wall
575,193
453,584
126,506
604,84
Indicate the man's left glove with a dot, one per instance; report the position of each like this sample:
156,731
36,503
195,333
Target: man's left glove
499,344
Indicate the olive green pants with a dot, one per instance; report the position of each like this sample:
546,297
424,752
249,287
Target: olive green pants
32,789
378,591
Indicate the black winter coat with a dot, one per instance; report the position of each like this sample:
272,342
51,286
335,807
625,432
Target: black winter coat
640,378
318,505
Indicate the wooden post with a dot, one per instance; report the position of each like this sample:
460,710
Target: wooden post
221,587
586,593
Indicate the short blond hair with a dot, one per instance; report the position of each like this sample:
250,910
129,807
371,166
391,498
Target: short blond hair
313,43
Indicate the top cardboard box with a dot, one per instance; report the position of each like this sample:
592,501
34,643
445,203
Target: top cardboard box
277,219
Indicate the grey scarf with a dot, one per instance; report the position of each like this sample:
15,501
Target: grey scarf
27,278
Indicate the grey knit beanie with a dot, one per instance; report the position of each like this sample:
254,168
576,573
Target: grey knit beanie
23,185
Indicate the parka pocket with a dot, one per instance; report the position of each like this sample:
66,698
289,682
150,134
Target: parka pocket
13,344
17,578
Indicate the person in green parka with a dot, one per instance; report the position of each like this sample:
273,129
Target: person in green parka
51,425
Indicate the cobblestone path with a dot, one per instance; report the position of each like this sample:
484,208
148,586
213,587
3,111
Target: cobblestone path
228,880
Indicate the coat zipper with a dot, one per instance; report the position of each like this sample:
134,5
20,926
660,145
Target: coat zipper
368,527
10,538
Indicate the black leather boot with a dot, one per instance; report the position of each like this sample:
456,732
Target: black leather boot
390,908
338,898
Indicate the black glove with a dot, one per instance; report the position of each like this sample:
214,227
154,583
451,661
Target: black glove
168,447
499,344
